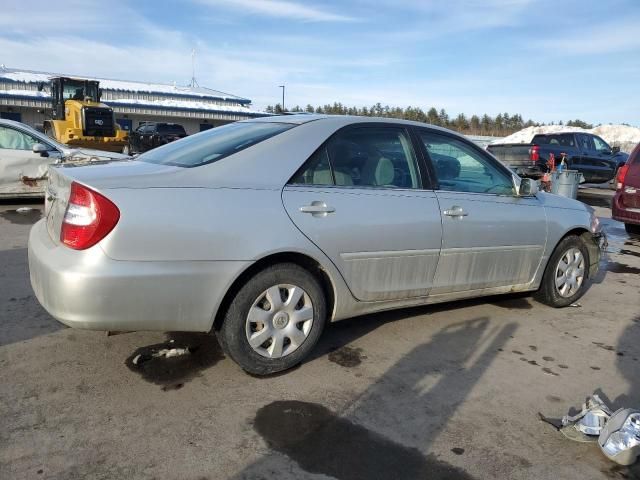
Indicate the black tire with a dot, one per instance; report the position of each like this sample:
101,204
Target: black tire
548,292
232,334
632,229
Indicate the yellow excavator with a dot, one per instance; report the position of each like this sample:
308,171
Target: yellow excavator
79,119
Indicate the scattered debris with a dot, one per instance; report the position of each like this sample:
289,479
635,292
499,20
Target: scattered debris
171,352
24,210
589,421
617,434
576,305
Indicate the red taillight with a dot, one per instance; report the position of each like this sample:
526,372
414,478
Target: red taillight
622,173
88,219
534,153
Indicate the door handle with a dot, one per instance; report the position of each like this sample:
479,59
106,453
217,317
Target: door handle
317,209
455,211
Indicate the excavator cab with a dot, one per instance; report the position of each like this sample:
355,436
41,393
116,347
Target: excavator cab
79,118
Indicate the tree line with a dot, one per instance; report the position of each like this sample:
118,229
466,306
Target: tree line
501,125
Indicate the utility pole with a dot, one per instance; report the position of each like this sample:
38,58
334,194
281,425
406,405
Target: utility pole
282,87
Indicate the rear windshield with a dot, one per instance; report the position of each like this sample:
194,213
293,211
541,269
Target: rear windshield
213,144
171,128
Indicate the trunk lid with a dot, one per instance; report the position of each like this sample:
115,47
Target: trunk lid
630,194
98,176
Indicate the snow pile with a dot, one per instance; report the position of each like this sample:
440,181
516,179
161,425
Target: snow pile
623,136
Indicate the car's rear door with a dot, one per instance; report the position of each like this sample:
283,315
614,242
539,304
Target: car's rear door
491,237
362,200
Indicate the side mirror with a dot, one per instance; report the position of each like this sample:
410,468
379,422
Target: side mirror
528,187
615,149
40,148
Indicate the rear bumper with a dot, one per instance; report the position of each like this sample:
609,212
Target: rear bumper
87,289
622,214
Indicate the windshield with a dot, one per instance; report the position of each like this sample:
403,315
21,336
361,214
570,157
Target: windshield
79,90
171,128
214,144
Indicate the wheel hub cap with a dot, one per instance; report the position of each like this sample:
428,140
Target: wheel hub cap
570,273
280,320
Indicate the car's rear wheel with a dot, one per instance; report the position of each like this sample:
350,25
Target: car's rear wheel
565,277
274,320
632,229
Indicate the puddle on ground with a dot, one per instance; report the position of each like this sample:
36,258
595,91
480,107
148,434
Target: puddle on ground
604,347
533,348
548,359
347,357
173,372
563,366
321,442
517,352
548,371
28,217
457,450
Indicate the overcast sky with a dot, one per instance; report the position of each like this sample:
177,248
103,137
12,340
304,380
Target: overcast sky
546,59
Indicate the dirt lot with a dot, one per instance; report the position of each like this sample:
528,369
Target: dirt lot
451,391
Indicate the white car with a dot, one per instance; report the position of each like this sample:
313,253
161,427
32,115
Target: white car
25,156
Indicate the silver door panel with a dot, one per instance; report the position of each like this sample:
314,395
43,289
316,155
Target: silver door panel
384,242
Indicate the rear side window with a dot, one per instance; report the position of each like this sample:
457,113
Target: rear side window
363,157
540,140
214,144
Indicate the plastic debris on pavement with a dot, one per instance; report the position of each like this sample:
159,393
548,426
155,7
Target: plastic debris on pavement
586,425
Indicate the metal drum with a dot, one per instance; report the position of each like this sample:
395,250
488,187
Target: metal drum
566,183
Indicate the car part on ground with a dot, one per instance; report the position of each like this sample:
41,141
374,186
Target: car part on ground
617,433
620,438
586,425
223,230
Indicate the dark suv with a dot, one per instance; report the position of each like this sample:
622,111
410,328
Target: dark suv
153,134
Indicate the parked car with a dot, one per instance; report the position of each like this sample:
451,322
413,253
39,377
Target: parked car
153,134
626,201
585,152
25,155
263,230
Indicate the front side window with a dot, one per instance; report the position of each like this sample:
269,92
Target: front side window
601,145
214,144
461,168
11,139
585,143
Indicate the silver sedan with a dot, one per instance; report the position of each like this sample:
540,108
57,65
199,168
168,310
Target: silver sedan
262,231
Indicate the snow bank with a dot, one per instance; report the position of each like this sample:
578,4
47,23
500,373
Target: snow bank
623,136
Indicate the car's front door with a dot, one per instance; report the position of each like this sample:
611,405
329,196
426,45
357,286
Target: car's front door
595,167
22,172
491,236
362,200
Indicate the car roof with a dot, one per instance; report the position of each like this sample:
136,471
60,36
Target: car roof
343,120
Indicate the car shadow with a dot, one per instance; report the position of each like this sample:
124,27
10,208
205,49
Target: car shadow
385,431
22,317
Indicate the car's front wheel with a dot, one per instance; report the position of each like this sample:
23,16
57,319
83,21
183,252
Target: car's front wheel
565,277
274,320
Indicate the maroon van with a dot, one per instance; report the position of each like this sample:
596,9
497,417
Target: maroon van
626,202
